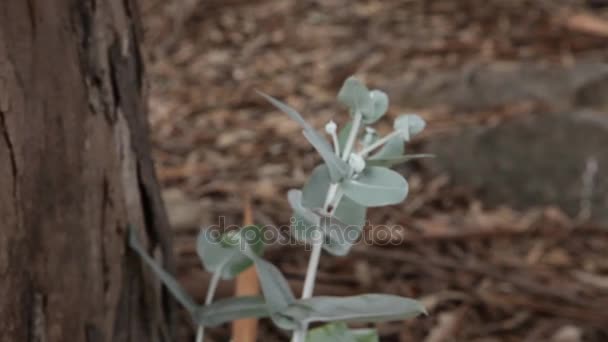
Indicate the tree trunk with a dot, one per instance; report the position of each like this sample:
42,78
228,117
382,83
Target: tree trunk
75,173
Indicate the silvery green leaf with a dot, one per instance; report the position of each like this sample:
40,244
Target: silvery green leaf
376,187
391,161
339,240
315,189
301,229
409,125
337,167
339,332
313,196
224,253
274,285
366,335
211,251
167,279
333,332
394,147
379,101
339,236
294,197
293,114
343,135
355,96
226,310
362,308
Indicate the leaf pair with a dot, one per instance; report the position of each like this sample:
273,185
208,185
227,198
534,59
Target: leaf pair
370,104
409,125
375,186
291,314
279,302
216,257
225,252
341,231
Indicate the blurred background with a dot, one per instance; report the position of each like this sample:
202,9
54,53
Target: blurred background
504,234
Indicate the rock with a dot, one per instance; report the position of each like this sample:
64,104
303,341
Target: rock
568,333
551,159
479,87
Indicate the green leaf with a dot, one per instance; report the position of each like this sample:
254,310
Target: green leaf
338,239
379,101
226,310
294,198
362,308
293,114
315,189
391,149
301,229
167,279
409,125
376,187
274,285
366,335
225,253
338,168
391,161
339,332
355,96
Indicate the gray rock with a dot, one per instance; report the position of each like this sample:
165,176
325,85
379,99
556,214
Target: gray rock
479,87
540,160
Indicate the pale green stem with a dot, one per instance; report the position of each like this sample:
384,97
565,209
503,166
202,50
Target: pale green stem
364,152
215,279
352,136
313,263
333,196
336,141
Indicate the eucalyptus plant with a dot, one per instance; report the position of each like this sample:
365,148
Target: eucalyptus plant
329,213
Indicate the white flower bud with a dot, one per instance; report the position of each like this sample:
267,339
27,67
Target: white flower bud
356,162
331,127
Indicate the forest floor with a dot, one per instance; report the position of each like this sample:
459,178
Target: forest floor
485,273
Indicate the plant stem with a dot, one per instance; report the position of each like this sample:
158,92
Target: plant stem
352,136
363,153
215,279
336,142
313,263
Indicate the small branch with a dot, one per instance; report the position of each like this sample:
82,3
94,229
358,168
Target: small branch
313,263
200,334
378,143
352,136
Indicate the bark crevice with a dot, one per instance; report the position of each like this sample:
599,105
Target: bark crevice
11,152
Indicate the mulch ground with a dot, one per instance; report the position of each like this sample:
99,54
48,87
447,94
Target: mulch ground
485,274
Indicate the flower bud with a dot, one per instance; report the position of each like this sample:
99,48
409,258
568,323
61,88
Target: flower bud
331,127
356,162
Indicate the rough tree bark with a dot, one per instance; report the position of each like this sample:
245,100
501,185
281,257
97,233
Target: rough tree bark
75,171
